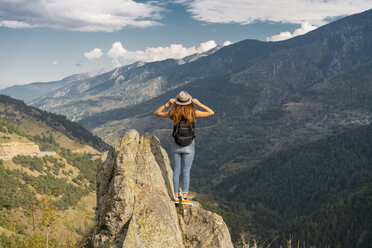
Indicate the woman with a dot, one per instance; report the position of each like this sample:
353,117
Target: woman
183,115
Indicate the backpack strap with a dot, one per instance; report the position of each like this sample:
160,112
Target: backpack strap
176,127
192,128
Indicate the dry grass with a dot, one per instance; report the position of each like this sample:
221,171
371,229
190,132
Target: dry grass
7,137
31,127
7,232
77,221
248,242
75,172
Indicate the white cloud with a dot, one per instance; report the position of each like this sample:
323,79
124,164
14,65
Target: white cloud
94,15
227,43
205,46
93,54
305,27
290,11
121,56
16,24
55,62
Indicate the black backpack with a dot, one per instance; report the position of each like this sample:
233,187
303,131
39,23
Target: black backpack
183,135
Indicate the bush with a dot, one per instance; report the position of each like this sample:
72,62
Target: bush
46,143
12,191
34,163
84,162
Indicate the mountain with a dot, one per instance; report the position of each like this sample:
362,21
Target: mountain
83,95
30,92
47,176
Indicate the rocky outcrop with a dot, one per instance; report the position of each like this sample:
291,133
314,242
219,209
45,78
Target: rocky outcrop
18,148
135,207
202,228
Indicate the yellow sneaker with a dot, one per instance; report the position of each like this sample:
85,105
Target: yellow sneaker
177,200
186,201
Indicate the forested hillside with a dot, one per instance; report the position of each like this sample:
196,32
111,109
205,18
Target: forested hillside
57,122
346,223
54,187
318,192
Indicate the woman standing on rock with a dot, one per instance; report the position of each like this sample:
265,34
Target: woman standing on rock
183,115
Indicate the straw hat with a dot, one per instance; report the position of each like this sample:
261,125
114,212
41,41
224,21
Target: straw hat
183,98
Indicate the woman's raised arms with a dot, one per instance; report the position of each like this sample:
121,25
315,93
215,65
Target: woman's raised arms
208,112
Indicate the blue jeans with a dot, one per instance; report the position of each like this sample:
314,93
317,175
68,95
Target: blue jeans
183,157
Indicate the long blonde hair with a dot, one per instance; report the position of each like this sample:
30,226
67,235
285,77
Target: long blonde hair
179,111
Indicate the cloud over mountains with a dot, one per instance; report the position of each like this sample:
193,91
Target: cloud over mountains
97,15
93,54
121,56
305,27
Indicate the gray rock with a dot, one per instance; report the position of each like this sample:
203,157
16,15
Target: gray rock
202,228
135,207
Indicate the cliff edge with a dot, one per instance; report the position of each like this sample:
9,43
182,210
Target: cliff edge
135,207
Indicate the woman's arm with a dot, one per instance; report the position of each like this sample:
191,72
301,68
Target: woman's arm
208,112
159,112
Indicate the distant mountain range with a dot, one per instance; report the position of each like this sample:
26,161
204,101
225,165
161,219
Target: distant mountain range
30,92
85,94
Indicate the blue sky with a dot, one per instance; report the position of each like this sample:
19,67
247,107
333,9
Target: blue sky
48,40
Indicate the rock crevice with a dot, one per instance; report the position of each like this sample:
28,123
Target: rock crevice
135,207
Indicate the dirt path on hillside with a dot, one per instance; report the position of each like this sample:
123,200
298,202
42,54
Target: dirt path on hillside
40,154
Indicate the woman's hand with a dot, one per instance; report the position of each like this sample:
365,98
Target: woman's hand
195,101
207,111
159,112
